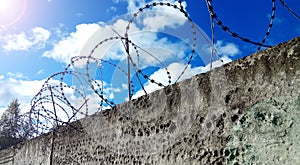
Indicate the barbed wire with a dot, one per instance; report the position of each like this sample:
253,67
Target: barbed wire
289,9
226,29
58,103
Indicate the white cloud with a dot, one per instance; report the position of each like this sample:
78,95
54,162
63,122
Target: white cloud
2,77
227,49
40,72
276,20
157,50
134,5
60,31
111,9
17,75
2,110
215,64
93,104
82,41
71,45
144,33
79,14
85,38
154,22
22,90
160,76
163,16
109,91
124,86
37,38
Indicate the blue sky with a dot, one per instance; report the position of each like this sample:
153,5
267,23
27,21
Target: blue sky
39,37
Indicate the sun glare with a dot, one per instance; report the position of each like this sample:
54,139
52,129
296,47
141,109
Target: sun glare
11,11
4,5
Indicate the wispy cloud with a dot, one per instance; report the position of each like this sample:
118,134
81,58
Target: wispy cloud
116,1
111,9
23,41
276,20
17,75
40,72
79,14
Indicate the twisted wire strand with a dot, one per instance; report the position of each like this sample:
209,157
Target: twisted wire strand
289,9
212,26
227,29
268,32
181,9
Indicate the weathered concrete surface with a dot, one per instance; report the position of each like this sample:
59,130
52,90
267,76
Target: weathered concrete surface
246,112
7,156
268,133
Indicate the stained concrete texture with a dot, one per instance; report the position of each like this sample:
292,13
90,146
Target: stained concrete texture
245,112
267,133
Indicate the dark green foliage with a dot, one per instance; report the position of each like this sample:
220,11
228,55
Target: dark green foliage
14,127
6,142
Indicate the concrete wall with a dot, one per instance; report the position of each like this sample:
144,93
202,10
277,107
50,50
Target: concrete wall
247,111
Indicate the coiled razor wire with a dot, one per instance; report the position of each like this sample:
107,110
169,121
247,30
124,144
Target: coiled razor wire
51,107
290,10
